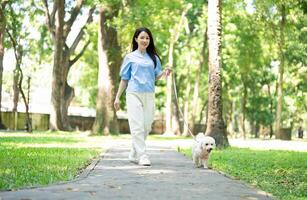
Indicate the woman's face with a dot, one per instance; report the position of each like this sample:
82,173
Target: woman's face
142,40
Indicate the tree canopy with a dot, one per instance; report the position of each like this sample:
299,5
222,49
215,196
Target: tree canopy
255,44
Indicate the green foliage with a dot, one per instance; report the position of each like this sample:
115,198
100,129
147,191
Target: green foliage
258,110
250,52
281,173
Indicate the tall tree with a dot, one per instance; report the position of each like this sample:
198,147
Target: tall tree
171,124
62,93
13,30
109,63
2,35
281,50
215,124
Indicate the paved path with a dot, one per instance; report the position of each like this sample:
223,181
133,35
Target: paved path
172,176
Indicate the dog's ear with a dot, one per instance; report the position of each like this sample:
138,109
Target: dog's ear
201,145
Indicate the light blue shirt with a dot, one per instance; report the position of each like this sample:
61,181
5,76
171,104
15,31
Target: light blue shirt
140,72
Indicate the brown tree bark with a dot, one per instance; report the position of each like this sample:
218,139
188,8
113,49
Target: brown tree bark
62,92
15,90
215,125
243,104
2,35
56,115
186,125
281,46
109,52
18,74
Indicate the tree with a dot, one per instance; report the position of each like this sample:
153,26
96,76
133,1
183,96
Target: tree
215,125
62,93
281,49
13,30
175,33
109,63
2,35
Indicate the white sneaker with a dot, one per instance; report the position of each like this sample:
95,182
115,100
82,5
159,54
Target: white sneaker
132,157
144,160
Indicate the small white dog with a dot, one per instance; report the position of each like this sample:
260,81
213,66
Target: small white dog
201,149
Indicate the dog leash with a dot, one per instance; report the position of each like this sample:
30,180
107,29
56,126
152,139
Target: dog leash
180,111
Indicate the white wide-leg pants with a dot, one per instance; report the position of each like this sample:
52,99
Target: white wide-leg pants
141,108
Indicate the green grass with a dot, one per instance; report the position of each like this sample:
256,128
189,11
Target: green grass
43,158
281,173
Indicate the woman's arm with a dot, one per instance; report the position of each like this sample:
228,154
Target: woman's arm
121,88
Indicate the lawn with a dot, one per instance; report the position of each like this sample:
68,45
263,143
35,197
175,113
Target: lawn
42,158
281,173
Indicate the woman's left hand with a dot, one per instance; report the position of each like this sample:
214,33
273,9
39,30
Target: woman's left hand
168,71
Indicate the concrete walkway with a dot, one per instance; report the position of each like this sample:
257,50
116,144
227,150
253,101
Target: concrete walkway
171,176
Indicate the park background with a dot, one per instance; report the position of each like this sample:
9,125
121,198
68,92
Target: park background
263,62
59,71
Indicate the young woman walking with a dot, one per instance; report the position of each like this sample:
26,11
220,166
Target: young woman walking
139,71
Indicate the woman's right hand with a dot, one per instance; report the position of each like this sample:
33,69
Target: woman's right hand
116,104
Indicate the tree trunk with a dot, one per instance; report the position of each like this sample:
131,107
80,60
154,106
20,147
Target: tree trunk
281,46
215,125
69,92
104,106
28,123
62,93
109,66
176,126
168,107
186,127
15,90
169,115
243,104
18,77
197,82
195,101
202,110
2,33
271,109
115,58
56,115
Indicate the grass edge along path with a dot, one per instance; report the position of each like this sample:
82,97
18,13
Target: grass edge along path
281,173
31,160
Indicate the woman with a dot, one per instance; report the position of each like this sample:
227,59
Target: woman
139,71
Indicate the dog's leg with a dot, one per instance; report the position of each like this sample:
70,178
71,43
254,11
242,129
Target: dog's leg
196,161
205,163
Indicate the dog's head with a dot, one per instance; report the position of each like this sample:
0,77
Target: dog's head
207,143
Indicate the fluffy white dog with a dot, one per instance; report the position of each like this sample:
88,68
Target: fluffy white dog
201,149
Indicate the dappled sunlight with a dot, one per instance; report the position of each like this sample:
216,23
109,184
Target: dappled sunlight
60,140
136,169
270,144
155,171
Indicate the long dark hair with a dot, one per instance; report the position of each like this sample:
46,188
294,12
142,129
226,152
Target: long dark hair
151,49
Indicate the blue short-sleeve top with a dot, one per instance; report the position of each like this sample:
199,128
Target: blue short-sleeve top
140,72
